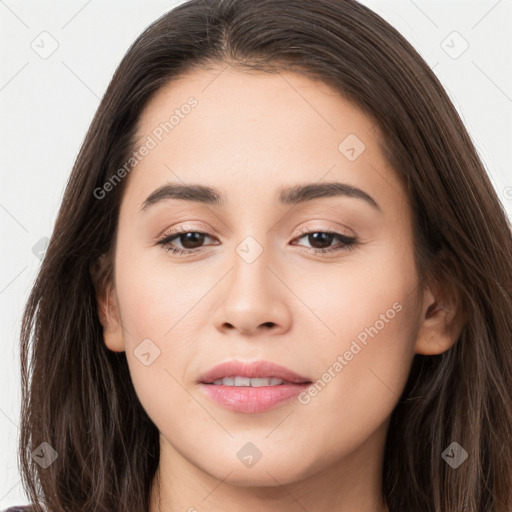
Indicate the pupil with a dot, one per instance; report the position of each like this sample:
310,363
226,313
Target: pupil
326,236
193,238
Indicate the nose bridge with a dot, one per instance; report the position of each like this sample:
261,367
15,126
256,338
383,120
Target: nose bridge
250,275
252,298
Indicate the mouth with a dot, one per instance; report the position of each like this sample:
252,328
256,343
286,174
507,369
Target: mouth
254,374
256,382
252,387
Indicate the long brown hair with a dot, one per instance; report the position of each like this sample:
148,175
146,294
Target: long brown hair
77,395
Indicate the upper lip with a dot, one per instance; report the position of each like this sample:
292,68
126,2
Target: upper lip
255,369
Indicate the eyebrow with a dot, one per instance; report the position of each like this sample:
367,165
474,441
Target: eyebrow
287,195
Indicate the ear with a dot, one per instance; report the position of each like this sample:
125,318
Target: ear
106,299
442,319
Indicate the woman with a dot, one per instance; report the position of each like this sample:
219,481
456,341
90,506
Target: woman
365,369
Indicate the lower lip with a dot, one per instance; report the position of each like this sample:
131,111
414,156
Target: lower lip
249,399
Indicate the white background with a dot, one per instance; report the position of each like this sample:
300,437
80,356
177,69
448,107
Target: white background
47,104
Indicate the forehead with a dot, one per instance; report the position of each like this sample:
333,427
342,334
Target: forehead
251,106
255,132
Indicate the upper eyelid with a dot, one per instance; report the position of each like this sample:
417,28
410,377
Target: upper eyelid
203,230
317,229
185,229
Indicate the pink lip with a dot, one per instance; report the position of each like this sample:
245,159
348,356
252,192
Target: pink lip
252,399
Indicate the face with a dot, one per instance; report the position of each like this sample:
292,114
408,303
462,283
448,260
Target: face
320,280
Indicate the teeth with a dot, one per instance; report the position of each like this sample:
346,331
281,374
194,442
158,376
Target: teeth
247,381
242,381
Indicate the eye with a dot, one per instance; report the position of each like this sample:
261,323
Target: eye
321,241
190,243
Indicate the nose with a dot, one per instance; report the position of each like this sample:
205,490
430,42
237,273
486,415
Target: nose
252,299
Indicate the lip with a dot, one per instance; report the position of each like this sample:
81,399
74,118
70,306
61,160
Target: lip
247,399
255,369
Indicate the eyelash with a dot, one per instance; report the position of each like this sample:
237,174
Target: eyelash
348,243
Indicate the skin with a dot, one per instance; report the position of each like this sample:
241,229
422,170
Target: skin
250,134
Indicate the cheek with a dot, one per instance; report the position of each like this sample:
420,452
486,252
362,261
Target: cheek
372,295
359,382
155,296
364,338
153,307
